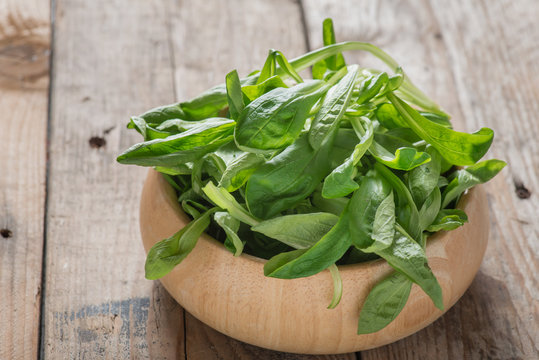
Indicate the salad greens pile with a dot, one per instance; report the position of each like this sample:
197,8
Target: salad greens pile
353,165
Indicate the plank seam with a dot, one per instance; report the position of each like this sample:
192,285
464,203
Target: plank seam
449,56
41,330
304,25
172,55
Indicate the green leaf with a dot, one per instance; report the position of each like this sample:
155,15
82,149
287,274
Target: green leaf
385,301
238,171
383,227
206,105
340,181
423,179
430,208
334,62
407,256
225,200
268,69
147,131
298,231
394,139
334,206
395,81
193,208
307,262
188,195
407,213
162,113
253,92
363,207
343,145
196,175
333,106
282,259
319,70
440,119
448,219
442,181
214,165
456,147
404,158
286,67
228,153
400,137
472,175
371,87
168,253
231,226
287,179
180,169
275,119
234,94
180,148
211,102
389,117
176,126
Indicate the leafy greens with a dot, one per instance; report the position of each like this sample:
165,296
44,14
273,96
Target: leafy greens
353,165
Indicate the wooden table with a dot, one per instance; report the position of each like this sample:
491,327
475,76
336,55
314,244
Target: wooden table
71,260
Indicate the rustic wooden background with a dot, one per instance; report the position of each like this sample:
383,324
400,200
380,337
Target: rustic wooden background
71,73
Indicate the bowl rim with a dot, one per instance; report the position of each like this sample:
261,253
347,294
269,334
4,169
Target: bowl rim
169,192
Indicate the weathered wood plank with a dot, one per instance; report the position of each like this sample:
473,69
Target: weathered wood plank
479,61
498,85
112,60
210,39
24,88
165,326
204,343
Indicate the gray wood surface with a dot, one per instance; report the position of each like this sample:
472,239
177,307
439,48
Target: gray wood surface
24,79
112,59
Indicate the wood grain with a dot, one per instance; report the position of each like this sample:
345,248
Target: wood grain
479,61
24,81
111,60
498,85
204,343
212,38
165,326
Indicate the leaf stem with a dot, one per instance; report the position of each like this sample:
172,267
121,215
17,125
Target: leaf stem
310,58
337,286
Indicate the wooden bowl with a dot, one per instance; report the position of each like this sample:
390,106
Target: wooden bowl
232,295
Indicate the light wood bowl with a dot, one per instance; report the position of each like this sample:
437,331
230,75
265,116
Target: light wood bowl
232,295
